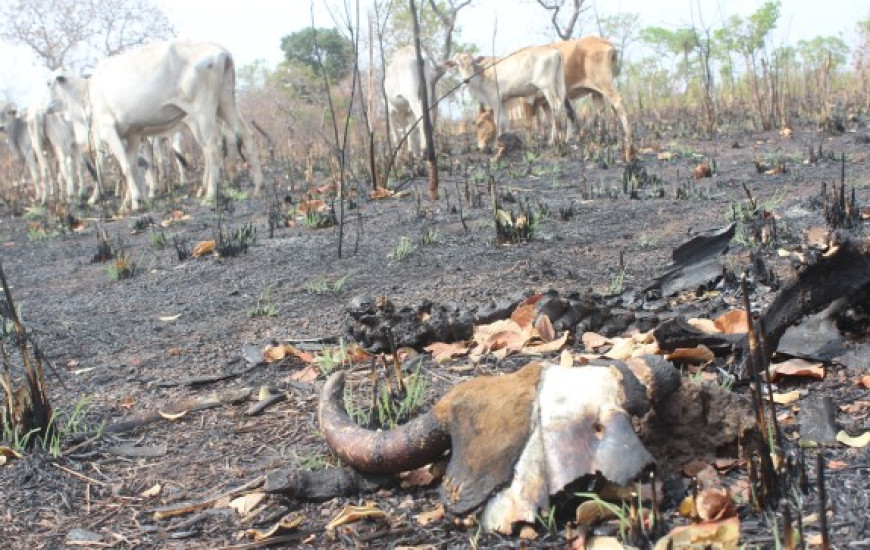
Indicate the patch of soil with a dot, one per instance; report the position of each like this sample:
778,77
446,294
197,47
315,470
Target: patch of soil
123,345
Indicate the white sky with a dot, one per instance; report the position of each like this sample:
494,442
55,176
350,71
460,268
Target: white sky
252,29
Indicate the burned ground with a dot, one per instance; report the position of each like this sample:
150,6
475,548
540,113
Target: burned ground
124,346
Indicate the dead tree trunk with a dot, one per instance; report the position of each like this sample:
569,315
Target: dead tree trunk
556,6
431,162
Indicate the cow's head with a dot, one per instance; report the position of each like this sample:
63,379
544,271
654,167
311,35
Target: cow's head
465,64
8,112
485,128
540,428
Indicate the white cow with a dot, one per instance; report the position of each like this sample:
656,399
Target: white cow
527,72
149,91
18,139
51,133
402,87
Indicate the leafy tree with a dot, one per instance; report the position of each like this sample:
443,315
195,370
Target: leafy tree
439,35
316,48
74,33
620,28
823,51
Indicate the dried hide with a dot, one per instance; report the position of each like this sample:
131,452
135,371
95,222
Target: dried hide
515,439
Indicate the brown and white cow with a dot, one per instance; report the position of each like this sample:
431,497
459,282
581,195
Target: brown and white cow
527,72
591,65
150,91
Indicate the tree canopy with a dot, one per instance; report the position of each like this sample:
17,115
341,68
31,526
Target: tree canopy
324,51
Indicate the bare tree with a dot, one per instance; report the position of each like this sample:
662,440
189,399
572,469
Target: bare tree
446,12
567,29
70,33
431,163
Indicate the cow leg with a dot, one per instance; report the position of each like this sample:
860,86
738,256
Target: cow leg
127,155
230,115
178,155
205,131
556,120
419,136
148,147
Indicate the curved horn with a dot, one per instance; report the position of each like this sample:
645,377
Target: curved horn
412,445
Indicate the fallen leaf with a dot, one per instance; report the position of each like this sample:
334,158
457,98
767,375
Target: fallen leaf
313,206
127,402
796,367
702,170
381,193
527,532
717,534
203,247
151,492
168,318
285,524
714,504
865,381
544,329
786,398
421,477
546,347
814,539
351,514
733,322
707,326
174,352
246,503
593,512
698,354
859,441
837,465
622,349
436,514
592,341
7,454
442,352
785,132
665,155
274,353
524,313
172,416
307,375
855,408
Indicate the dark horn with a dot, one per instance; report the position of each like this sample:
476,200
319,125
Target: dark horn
409,446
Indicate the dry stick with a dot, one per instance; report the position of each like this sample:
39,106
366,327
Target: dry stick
788,534
753,358
423,91
165,512
765,364
459,201
823,497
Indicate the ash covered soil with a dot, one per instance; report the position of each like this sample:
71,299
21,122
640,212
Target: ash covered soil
124,345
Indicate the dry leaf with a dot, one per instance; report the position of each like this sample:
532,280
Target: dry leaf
351,514
865,381
714,504
168,318
665,155
287,523
555,345
621,350
381,193
702,170
592,341
837,465
203,247
786,398
7,454
127,402
152,492
707,326
172,416
442,352
307,375
592,512
544,329
859,441
722,535
174,352
527,532
314,206
524,313
855,408
796,367
246,503
698,354
274,353
421,477
436,514
733,322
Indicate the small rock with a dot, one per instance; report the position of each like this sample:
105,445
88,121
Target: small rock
79,536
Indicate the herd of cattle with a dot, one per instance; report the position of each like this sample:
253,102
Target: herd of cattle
153,91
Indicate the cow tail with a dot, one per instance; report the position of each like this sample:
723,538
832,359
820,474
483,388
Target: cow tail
614,62
569,109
